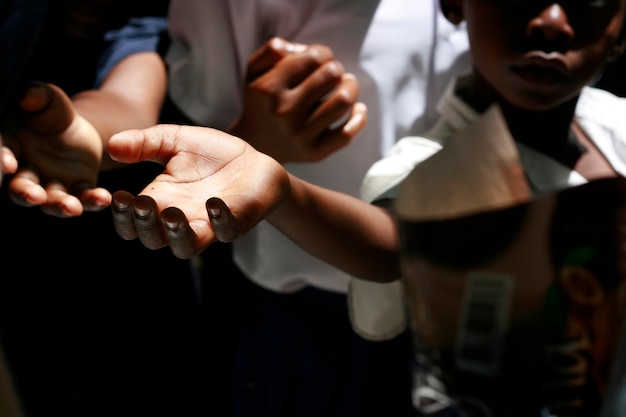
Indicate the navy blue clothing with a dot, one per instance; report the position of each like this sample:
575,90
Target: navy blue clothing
91,325
311,361
139,35
21,25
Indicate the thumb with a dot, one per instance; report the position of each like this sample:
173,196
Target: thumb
49,109
151,144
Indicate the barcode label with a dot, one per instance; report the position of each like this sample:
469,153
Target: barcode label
484,318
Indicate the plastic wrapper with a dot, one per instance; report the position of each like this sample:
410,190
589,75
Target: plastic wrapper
516,303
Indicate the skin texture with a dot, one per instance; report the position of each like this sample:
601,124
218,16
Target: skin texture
60,153
293,97
195,159
531,57
8,163
60,146
545,52
217,187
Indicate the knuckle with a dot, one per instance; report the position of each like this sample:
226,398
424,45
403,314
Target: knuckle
322,52
263,87
317,54
275,44
332,70
344,98
285,105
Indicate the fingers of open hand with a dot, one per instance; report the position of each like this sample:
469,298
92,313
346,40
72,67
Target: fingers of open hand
121,209
92,198
59,202
127,146
25,189
8,161
225,226
155,143
54,198
138,217
148,225
185,242
235,215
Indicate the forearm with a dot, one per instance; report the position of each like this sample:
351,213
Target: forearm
131,97
348,233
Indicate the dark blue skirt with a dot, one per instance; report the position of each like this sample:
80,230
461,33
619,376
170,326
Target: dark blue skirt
298,356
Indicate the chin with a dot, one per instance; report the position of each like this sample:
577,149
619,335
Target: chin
537,102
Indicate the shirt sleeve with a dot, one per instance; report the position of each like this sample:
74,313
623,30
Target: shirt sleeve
141,34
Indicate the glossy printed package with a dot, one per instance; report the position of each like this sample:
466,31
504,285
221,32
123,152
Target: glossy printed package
520,311
516,298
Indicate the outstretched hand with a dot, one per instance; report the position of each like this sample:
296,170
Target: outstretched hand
58,154
214,187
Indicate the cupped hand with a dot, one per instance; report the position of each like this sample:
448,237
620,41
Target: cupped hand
58,154
214,186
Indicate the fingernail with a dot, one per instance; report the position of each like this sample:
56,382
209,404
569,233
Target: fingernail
120,206
171,225
353,123
295,47
142,212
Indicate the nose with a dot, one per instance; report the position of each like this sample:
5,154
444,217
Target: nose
552,23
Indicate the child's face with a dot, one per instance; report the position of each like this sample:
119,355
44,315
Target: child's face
538,54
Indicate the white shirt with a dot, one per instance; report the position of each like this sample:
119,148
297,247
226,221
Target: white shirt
377,310
404,52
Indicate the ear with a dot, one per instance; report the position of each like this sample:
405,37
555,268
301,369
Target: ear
618,50
619,47
582,286
452,10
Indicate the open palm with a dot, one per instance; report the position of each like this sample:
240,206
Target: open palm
241,186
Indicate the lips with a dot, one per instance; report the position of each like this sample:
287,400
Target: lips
540,68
